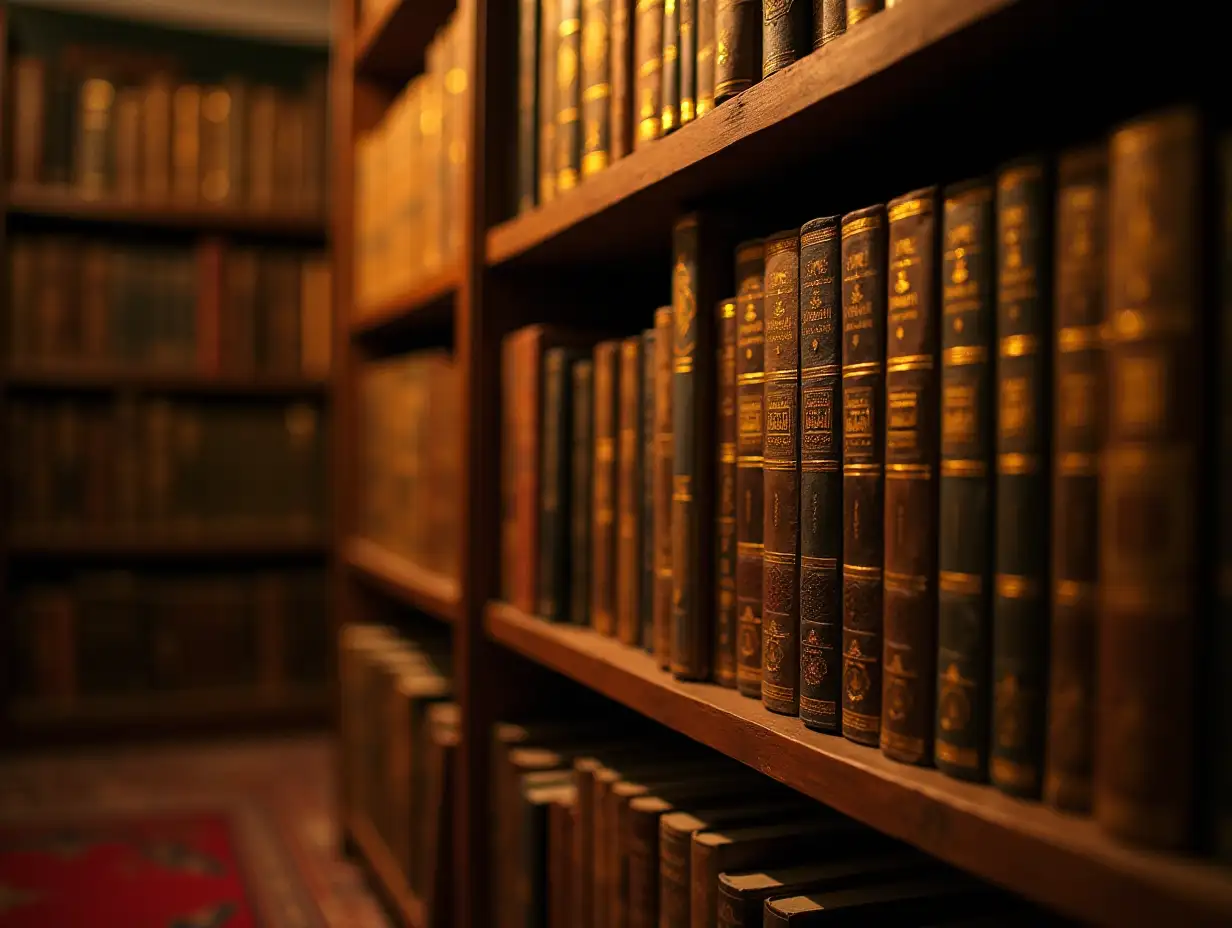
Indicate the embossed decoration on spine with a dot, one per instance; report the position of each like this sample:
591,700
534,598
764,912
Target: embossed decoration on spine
629,495
725,500
787,33
737,56
568,96
648,80
829,21
603,487
664,345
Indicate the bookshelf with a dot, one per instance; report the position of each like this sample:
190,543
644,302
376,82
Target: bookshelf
853,107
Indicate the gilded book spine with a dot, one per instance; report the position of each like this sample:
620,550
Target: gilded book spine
662,477
629,495
688,59
620,70
670,114
964,557
860,10
909,654
725,501
596,85
1149,494
737,55
549,47
829,21
1020,600
649,370
568,95
648,82
780,664
786,35
603,488
750,387
821,479
581,489
705,56
1078,404
864,320
528,128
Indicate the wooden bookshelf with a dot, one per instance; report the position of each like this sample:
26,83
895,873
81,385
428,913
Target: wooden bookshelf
431,593
384,872
428,302
65,378
137,544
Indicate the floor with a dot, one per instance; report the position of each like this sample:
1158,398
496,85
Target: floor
289,779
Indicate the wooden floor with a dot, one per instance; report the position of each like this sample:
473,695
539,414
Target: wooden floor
291,779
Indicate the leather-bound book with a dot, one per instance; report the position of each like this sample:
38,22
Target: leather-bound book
569,95
864,320
621,70
219,172
648,84
1149,484
706,21
549,47
910,900
1020,598
688,59
780,630
860,10
596,85
821,479
156,138
965,543
786,35
603,489
29,94
186,143
725,501
528,103
629,498
580,489
662,487
532,901
829,21
737,56
750,390
669,115
1077,428
561,818
555,521
95,131
909,653
647,586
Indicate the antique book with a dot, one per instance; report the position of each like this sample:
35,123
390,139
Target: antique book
561,819
549,52
1077,428
28,74
528,102
780,630
156,139
569,95
860,10
909,654
706,21
1020,597
532,900
580,489
662,487
1149,486
650,362
725,634
737,58
555,525
965,543
669,116
821,479
629,497
829,21
687,11
787,33
750,389
596,93
186,143
220,171
911,899
95,130
603,489
864,321
648,84
621,75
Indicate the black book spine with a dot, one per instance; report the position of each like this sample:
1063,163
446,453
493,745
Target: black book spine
737,63
964,554
580,491
860,10
569,95
528,123
829,21
821,479
555,498
648,466
725,500
787,33
670,116
688,60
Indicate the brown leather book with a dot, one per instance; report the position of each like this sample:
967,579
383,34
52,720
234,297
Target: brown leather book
1149,485
527,186
262,126
569,95
128,143
549,52
95,127
687,10
561,879
706,14
725,501
186,143
603,488
596,93
621,71
909,656
217,121
780,663
662,478
670,68
648,84
29,95
629,498
787,34
738,50
829,21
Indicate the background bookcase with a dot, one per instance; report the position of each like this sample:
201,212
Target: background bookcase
930,89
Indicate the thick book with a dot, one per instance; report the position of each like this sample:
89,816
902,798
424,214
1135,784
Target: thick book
909,653
725,500
1149,483
669,114
688,59
596,95
821,478
648,84
534,888
706,22
555,526
750,390
580,490
662,485
1020,597
1077,428
864,322
737,64
562,817
549,51
623,71
649,373
629,497
787,34
829,21
909,900
603,488
528,102
780,630
569,95
860,10
965,543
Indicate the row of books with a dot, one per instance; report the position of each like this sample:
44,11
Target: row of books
598,79
411,458
909,484
99,634
158,466
409,173
83,123
637,828
213,308
399,741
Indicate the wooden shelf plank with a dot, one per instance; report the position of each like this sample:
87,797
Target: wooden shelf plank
65,203
429,301
392,46
1061,861
85,377
117,543
384,871
438,596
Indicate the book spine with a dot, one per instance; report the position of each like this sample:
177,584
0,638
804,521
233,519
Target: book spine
725,501
511,376
675,864
643,868
620,124
1020,600
596,85
1078,404
549,52
705,56
629,495
662,479
688,59
1222,644
909,627
965,543
864,319
569,95
669,115
787,33
821,479
750,390
648,83
29,118
860,10
649,372
554,525
603,488
780,665
737,57
528,128
829,21
1149,494
94,136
